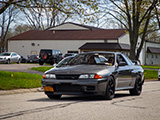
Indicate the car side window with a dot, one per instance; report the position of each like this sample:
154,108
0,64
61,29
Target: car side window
14,54
121,61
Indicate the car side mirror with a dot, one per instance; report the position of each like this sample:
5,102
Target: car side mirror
54,65
122,63
135,62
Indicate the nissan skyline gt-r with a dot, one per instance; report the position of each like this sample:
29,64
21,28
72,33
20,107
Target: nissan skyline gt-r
94,73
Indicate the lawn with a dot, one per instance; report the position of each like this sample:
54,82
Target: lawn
16,80
151,74
151,67
41,69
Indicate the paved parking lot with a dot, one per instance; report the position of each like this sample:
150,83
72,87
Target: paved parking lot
20,68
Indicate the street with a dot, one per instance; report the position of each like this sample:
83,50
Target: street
36,106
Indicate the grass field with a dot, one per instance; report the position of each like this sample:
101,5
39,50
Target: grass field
15,80
151,74
41,69
151,67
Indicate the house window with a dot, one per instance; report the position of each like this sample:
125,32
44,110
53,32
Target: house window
33,44
127,54
156,56
152,56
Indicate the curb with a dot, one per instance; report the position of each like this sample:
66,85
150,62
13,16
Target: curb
20,91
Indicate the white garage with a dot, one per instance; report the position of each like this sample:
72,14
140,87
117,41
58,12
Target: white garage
72,37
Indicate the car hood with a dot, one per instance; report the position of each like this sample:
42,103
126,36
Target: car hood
82,69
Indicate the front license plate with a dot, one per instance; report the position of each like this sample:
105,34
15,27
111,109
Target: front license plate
50,89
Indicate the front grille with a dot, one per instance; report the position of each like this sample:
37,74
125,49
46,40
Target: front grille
67,88
72,77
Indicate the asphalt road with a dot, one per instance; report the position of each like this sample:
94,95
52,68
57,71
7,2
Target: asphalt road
20,68
36,106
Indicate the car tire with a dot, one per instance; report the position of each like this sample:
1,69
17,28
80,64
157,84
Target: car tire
41,63
8,61
110,89
54,96
19,61
137,87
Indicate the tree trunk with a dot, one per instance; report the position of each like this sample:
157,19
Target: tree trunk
132,47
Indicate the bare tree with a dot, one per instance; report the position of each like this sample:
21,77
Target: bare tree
136,16
6,18
52,13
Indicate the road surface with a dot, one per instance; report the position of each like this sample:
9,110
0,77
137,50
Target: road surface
36,106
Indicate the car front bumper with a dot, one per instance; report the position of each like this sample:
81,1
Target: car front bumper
3,60
76,87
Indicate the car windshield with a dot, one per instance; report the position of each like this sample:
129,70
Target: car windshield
5,54
93,59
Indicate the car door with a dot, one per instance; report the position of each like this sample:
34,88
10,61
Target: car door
124,77
14,57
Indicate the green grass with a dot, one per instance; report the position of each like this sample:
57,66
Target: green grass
151,74
16,80
41,69
151,67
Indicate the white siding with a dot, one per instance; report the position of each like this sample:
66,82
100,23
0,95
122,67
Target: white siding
68,27
124,39
152,58
24,47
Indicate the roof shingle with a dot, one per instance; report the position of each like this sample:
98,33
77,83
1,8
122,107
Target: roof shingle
105,46
97,34
153,50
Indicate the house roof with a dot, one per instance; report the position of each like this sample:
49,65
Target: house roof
96,34
153,50
105,46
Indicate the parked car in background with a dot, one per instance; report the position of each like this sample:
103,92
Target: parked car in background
23,59
70,54
94,73
49,56
33,59
10,57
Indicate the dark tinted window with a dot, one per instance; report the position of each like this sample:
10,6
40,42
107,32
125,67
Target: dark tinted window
5,54
92,58
121,60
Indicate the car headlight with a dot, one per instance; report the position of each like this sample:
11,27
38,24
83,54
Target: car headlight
52,76
91,76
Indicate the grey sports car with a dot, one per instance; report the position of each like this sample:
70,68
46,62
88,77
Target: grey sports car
94,73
